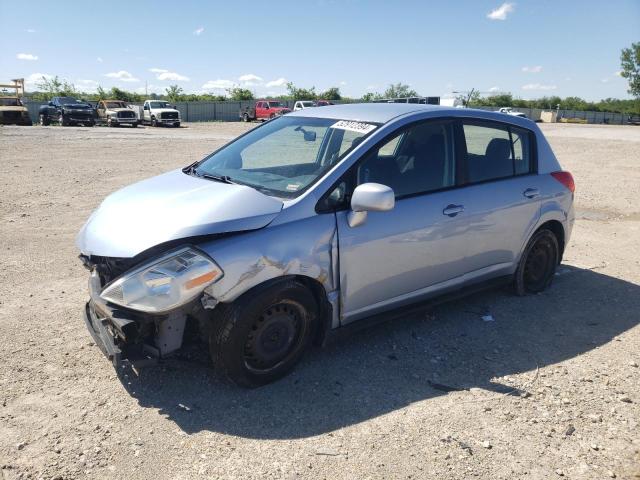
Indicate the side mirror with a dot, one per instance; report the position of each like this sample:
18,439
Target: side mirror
51,104
309,136
146,107
369,197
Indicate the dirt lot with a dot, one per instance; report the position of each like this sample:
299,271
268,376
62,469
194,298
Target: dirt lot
549,389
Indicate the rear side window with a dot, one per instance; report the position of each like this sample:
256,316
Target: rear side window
496,151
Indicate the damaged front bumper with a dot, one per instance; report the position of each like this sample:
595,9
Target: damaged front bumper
126,336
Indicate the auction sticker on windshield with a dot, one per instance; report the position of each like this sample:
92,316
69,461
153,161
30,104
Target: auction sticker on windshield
358,127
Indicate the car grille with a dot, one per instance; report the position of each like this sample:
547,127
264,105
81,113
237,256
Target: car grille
126,115
169,115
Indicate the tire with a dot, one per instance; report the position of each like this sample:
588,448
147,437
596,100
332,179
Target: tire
44,120
538,264
272,116
154,122
245,118
260,337
62,120
177,124
90,124
134,125
109,122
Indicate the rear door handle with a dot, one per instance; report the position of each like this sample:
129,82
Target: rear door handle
531,192
453,210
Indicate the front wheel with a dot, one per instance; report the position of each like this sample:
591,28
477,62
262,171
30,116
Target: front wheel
245,118
44,120
154,122
261,336
538,264
62,120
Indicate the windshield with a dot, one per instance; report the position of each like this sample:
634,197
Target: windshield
159,105
287,155
115,105
10,102
276,104
307,104
67,100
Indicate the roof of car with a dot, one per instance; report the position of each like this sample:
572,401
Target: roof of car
385,112
370,112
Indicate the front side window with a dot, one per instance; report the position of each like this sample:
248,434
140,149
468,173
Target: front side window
285,156
419,159
496,151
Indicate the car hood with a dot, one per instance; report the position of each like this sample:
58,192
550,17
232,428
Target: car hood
170,207
160,110
77,106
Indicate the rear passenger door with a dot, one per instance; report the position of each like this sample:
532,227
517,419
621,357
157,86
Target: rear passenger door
501,197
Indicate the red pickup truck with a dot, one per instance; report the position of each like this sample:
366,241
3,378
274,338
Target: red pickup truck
263,110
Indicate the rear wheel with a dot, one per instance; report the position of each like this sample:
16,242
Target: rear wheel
538,264
44,120
245,118
261,336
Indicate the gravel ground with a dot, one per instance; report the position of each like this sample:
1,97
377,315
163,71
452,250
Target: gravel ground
550,388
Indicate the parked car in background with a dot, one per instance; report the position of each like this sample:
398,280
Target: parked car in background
12,110
302,104
115,113
67,111
159,113
323,103
317,220
512,112
264,110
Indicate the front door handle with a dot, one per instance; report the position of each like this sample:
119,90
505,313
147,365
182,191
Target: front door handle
453,210
531,192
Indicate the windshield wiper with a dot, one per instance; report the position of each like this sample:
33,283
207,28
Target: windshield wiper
217,178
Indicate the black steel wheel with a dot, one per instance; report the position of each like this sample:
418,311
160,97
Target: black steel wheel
261,336
538,264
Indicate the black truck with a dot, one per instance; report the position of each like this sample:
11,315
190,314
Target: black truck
67,111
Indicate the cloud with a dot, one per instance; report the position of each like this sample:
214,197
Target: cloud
250,80
618,73
150,89
343,83
538,86
86,85
494,89
534,69
280,82
198,31
604,80
122,76
165,75
30,30
99,59
501,12
35,78
218,84
26,56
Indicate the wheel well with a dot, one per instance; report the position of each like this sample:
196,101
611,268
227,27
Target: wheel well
558,230
319,294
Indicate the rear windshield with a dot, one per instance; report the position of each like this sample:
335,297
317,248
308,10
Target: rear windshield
10,102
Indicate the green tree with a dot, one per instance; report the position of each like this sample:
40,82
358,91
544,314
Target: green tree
295,93
332,93
174,93
237,94
54,87
630,63
399,90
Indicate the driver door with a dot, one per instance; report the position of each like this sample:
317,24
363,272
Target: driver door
417,248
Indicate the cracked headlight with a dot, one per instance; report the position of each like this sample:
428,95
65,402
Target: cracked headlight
165,283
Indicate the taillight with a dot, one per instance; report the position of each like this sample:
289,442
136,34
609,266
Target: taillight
566,179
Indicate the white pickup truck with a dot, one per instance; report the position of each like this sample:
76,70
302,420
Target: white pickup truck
159,112
512,112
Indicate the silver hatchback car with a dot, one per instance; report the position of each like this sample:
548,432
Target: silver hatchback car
319,219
